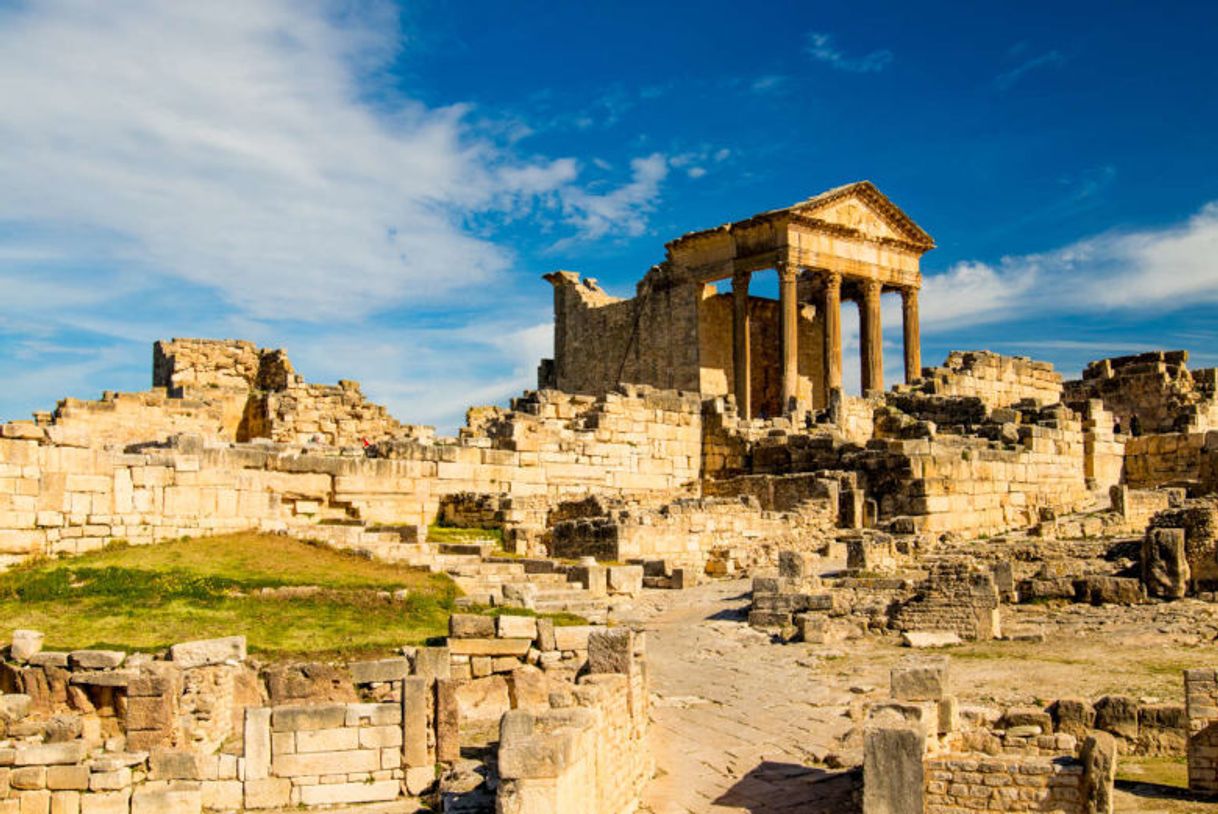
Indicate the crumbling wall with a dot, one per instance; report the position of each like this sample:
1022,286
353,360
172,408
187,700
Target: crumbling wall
601,341
589,755
1198,520
998,381
1201,703
1173,459
123,419
957,597
60,497
197,364
1155,387
336,415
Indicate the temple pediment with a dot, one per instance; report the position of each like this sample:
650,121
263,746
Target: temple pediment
862,208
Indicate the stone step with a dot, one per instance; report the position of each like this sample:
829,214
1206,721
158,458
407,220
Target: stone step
479,548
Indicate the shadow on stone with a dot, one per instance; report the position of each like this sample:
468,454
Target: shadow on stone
1158,791
773,787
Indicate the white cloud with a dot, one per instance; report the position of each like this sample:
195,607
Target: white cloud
232,145
821,48
1154,269
1008,79
622,210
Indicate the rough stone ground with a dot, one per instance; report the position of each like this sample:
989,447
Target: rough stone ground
742,724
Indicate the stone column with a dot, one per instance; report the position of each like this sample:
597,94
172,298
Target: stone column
871,338
913,334
741,351
833,332
788,306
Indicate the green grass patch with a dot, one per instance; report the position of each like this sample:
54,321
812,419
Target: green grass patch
450,534
148,597
1168,770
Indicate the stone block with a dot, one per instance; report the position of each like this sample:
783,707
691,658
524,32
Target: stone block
611,651
28,778
921,679
319,763
349,793
489,647
67,778
432,663
268,792
208,651
65,802
14,707
1165,569
222,795
1109,590
327,740
625,580
922,639
798,565
516,627
257,743
25,644
1073,716
1118,715
483,699
382,670
113,780
470,626
447,720
299,718
176,799
96,659
529,688
572,637
893,779
48,754
416,701
113,802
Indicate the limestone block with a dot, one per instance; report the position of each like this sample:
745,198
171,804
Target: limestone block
1117,714
611,651
96,659
432,663
115,780
1099,757
269,792
25,644
920,679
36,802
49,754
340,793
625,580
483,699
328,740
416,701
491,647
28,778
447,720
516,627
222,795
572,637
208,651
257,745
529,688
14,707
67,778
298,718
65,802
319,763
471,626
892,770
921,639
374,714
1073,716
1165,569
370,672
176,799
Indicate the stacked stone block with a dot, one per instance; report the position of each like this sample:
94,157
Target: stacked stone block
1201,704
956,596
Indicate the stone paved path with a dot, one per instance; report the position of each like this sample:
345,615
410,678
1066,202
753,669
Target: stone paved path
738,723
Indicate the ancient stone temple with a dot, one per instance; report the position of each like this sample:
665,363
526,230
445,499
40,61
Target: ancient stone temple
774,356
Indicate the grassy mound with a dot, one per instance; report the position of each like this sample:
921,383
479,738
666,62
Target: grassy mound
148,597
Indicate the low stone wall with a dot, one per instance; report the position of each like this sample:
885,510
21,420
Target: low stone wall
956,597
1173,458
692,533
1156,387
588,754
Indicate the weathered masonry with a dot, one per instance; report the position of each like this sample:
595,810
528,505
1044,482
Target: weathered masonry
849,243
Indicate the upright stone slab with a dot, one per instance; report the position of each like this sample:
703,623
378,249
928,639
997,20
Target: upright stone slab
257,743
921,678
611,651
416,704
1165,571
893,779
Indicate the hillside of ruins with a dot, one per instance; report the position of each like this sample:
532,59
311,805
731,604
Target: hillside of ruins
697,575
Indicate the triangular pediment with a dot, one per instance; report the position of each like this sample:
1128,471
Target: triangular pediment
862,208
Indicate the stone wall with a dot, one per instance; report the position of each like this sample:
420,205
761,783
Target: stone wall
1201,703
1173,459
692,532
57,497
589,753
956,597
1155,387
998,381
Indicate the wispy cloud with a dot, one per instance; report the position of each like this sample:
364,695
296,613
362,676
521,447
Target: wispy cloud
1050,59
622,210
821,47
1159,270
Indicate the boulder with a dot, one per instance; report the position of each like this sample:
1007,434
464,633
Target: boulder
26,643
205,652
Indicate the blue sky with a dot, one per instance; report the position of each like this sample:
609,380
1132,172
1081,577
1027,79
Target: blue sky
378,187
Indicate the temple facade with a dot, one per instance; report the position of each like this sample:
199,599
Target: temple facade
773,355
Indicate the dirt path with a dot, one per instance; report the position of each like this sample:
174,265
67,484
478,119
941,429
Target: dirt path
743,725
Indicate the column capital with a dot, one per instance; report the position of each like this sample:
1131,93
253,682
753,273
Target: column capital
740,279
787,272
872,288
832,278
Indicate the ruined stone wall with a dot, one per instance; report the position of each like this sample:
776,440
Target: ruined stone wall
960,784
1201,704
955,596
324,414
1173,458
1156,387
601,341
60,498
586,757
123,419
997,380
205,363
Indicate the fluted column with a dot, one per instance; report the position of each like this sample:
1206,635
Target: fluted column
833,332
913,334
741,351
871,338
788,306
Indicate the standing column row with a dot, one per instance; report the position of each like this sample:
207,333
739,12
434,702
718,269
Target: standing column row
871,338
788,305
741,350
